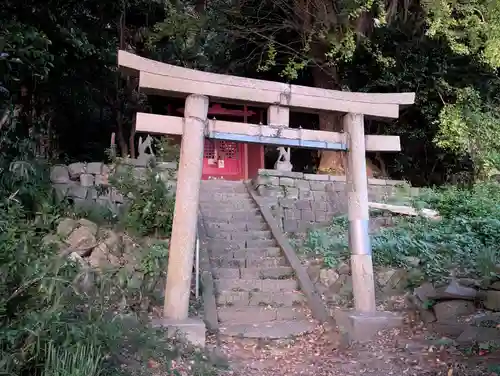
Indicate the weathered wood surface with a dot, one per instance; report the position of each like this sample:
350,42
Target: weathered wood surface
163,124
406,210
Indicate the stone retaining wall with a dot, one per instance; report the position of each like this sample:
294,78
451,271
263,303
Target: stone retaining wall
87,185
299,201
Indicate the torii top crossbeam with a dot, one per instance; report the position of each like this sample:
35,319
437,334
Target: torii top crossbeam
155,77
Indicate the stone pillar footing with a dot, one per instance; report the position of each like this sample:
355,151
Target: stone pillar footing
363,327
192,329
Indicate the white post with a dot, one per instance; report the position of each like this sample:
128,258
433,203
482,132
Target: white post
182,242
357,195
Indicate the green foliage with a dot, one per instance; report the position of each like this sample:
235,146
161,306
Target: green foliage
152,202
470,27
465,240
471,127
84,361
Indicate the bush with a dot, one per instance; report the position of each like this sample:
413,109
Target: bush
151,207
464,241
57,318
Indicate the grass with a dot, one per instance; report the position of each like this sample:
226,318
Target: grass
465,242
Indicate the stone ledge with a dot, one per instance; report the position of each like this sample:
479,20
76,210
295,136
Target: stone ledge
191,329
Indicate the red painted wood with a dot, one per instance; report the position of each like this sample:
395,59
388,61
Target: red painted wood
232,155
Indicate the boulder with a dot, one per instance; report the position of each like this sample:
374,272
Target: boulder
398,282
495,286
76,169
102,258
384,275
94,168
59,174
87,180
81,241
86,223
454,290
344,268
328,276
492,300
66,227
451,309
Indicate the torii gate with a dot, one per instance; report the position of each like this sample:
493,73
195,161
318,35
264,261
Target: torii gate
197,86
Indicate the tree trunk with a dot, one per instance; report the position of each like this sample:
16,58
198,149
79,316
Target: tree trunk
330,162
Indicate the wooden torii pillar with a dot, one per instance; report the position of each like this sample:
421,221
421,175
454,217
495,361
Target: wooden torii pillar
164,79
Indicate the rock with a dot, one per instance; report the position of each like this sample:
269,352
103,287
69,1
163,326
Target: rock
492,300
344,268
495,286
77,191
81,241
469,282
66,227
474,334
383,276
102,180
314,271
82,222
412,261
61,191
76,169
94,168
451,309
454,291
425,292
102,258
59,174
112,241
397,283
87,180
342,286
328,276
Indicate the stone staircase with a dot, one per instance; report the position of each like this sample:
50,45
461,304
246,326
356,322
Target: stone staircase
256,293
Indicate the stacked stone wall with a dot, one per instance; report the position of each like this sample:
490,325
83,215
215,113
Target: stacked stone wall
87,184
300,201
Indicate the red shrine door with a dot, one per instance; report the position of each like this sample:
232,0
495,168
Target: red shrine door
227,160
223,160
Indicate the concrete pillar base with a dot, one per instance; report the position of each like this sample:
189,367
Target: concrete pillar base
191,330
363,327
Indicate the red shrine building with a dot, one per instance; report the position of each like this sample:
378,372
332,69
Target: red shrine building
230,160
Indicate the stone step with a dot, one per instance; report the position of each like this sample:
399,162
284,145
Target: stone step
226,272
232,215
221,244
235,225
239,235
223,184
268,330
255,285
279,272
242,253
249,314
248,262
260,298
210,204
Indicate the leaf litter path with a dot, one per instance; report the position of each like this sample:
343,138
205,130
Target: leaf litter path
397,352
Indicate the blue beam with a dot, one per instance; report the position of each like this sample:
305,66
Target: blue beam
306,144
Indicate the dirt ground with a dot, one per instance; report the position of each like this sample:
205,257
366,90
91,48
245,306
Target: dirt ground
408,351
